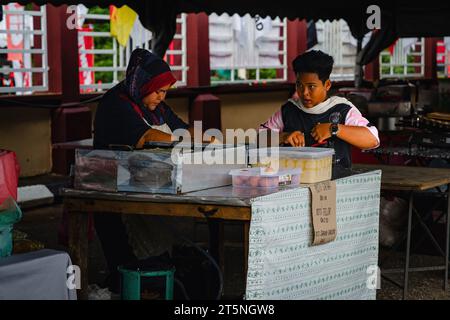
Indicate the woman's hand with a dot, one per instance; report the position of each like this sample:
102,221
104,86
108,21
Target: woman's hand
296,139
154,135
214,140
321,132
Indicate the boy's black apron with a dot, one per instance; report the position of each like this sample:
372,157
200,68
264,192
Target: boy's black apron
295,119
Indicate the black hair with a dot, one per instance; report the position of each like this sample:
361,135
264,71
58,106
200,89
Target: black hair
314,61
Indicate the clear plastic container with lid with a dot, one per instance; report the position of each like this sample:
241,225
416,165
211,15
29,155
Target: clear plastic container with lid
265,177
316,163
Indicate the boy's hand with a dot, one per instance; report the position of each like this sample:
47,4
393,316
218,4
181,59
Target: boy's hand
321,132
296,139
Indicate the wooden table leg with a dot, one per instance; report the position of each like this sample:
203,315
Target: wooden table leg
216,244
78,247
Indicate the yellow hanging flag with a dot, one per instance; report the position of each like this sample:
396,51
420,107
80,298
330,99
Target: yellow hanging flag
122,21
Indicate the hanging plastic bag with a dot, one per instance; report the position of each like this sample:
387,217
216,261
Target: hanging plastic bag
9,175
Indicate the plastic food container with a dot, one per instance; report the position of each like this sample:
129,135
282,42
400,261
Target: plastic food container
264,177
315,163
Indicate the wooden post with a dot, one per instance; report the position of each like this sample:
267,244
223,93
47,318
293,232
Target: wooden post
37,58
62,55
68,124
199,73
204,107
372,70
54,30
297,43
430,58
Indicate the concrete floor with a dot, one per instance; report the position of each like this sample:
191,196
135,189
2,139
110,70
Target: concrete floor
42,224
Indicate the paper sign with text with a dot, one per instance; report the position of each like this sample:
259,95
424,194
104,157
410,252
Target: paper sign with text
323,212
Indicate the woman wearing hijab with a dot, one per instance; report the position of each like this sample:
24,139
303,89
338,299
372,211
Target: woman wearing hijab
132,113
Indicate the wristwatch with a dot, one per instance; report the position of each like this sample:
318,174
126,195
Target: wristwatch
334,128
335,118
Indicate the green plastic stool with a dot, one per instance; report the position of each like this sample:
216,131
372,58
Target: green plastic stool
131,282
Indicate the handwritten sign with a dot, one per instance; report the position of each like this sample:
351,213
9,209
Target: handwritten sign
323,212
